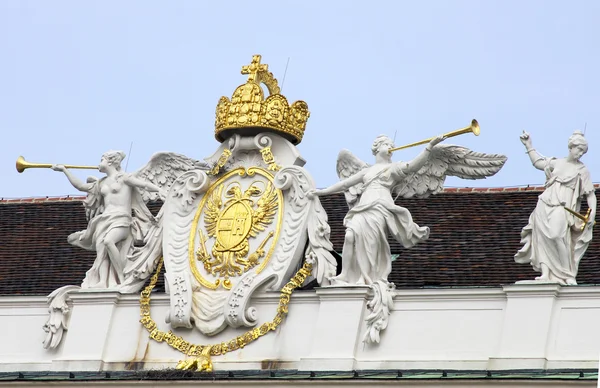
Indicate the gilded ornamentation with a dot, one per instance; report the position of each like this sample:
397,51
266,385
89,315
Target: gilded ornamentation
232,223
234,213
269,159
221,162
200,354
249,108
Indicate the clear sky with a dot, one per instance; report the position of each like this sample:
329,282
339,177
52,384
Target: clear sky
78,78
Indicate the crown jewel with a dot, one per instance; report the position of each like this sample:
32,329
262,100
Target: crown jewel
250,111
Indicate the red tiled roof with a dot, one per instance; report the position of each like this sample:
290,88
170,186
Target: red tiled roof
474,236
446,190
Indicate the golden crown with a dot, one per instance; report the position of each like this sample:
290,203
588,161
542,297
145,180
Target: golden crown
249,110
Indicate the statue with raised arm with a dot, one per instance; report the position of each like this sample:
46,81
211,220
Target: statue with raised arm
556,238
116,211
125,235
373,214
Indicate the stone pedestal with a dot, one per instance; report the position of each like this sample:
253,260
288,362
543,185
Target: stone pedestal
526,326
85,340
341,316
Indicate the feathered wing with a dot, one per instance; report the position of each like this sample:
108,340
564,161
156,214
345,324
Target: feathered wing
448,160
348,165
266,209
164,168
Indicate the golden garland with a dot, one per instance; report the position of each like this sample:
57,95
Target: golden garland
201,353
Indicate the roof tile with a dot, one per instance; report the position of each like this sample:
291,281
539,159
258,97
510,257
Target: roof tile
474,236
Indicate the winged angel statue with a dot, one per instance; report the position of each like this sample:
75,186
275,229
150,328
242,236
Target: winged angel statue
119,223
373,214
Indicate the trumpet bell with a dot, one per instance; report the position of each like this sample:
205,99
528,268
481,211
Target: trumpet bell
475,127
20,164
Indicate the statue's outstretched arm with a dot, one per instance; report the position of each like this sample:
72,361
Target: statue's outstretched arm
420,160
79,185
342,185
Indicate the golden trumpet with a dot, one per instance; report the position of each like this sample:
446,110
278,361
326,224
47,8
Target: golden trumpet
583,218
474,128
22,165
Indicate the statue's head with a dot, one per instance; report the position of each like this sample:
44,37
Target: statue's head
381,145
578,145
112,159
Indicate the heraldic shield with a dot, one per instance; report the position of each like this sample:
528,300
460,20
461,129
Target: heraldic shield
241,208
246,224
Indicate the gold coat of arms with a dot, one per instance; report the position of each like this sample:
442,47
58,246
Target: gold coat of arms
235,227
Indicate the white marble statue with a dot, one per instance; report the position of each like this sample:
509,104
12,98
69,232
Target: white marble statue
121,230
373,214
554,240
117,213
111,229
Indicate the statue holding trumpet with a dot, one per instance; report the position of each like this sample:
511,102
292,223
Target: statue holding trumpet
557,235
118,218
373,214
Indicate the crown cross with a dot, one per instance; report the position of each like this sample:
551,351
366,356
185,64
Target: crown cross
254,68
248,109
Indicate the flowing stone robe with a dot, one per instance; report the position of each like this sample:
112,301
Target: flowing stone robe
103,273
370,221
551,226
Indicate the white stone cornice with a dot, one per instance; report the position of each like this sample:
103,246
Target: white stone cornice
158,299
270,297
21,301
95,297
532,290
579,292
449,294
344,292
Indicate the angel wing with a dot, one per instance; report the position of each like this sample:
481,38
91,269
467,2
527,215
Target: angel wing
447,159
266,208
348,165
164,168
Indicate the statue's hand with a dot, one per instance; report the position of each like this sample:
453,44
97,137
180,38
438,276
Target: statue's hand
436,140
526,139
310,194
59,167
592,220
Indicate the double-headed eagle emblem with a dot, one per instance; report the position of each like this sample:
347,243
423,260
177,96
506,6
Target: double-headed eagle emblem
232,221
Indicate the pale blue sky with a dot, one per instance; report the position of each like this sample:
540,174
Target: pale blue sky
78,78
